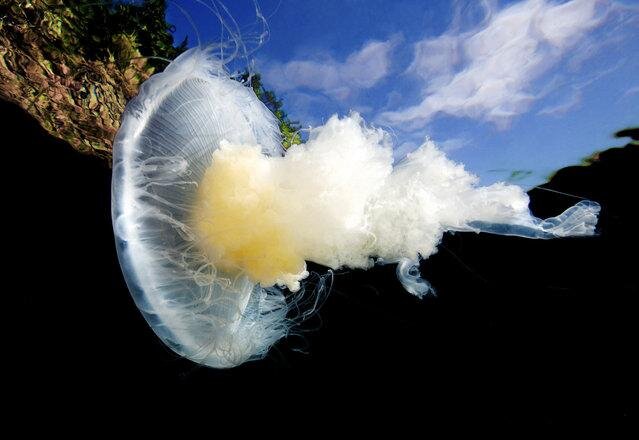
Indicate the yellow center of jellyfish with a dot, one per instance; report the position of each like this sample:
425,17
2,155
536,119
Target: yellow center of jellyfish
238,221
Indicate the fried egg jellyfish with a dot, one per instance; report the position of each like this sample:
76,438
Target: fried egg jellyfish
214,221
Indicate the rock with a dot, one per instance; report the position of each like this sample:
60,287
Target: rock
73,81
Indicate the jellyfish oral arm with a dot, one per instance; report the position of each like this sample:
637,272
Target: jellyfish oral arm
410,278
579,220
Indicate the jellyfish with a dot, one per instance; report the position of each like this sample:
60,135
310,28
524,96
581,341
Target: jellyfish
215,222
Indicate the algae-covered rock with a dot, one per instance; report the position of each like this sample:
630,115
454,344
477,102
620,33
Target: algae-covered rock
73,65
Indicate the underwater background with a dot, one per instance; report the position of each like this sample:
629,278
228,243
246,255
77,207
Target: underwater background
514,318
519,330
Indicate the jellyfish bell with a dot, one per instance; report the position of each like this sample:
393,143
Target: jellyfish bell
161,152
214,222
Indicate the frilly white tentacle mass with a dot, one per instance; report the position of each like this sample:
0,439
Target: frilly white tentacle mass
212,220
